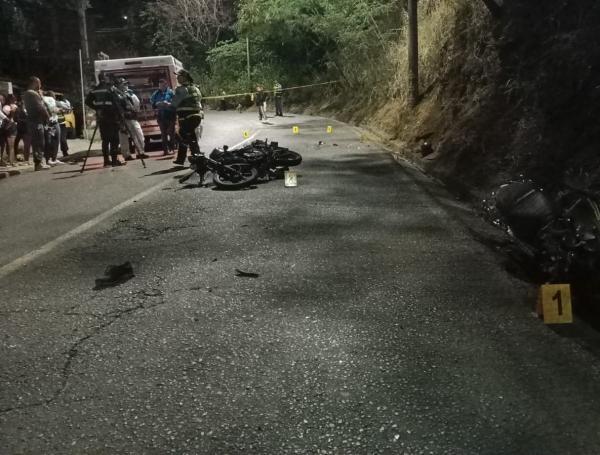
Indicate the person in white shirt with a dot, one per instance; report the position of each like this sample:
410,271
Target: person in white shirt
64,107
8,128
2,115
132,128
52,130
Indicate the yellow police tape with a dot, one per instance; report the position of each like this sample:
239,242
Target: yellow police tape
219,97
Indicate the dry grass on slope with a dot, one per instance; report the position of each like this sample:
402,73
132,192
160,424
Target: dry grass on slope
458,66
500,97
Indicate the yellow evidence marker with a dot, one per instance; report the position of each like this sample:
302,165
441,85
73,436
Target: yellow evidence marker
295,129
329,129
291,179
554,304
246,134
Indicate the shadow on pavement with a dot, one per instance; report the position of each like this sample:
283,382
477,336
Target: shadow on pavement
91,167
166,171
78,174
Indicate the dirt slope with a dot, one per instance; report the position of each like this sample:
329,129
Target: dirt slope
518,94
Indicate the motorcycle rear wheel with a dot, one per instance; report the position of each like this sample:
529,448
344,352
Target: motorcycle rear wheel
247,175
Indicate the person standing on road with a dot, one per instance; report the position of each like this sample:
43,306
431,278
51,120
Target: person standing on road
64,108
22,132
165,115
278,93
37,116
260,99
8,129
131,128
187,102
103,100
52,130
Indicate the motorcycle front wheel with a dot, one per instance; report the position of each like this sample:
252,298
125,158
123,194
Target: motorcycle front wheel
288,158
245,175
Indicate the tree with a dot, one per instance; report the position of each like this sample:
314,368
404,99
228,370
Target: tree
199,21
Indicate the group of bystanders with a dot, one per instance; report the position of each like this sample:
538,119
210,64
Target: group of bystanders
36,118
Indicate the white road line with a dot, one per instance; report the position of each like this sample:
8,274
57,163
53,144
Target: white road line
35,254
246,140
31,256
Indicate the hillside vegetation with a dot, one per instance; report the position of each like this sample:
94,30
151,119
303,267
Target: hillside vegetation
501,95
518,93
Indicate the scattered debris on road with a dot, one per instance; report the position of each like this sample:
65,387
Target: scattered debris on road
239,272
115,275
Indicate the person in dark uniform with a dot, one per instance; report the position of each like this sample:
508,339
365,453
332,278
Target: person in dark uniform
278,92
103,100
260,99
188,105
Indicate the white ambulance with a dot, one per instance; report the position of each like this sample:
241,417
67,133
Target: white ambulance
143,74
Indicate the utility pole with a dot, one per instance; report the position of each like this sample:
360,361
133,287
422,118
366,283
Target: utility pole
413,53
82,95
248,57
82,5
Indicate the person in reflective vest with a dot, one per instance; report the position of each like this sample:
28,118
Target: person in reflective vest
278,92
103,100
187,104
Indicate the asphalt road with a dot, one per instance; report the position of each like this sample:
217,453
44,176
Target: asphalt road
377,324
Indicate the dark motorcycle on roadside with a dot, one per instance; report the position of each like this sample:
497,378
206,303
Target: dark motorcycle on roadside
559,235
269,159
229,175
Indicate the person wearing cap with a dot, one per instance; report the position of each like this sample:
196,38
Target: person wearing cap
165,115
130,127
103,99
188,105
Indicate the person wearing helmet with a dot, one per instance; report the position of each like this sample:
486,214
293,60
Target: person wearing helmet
188,106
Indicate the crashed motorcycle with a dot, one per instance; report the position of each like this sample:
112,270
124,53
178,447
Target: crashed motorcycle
558,235
231,175
269,159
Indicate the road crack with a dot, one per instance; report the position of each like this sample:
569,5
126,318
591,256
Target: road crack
146,300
